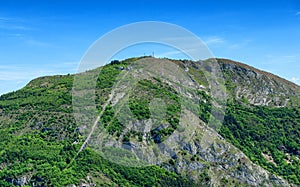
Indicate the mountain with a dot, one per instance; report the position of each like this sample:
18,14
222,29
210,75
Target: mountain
214,122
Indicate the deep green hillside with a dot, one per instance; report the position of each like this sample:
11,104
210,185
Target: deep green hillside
38,139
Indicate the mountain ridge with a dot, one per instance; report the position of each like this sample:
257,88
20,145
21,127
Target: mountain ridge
290,83
30,111
218,59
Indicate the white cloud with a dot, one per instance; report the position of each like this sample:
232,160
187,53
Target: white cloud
4,19
214,40
239,45
172,54
7,67
295,80
166,54
15,77
64,67
19,75
281,59
8,23
32,42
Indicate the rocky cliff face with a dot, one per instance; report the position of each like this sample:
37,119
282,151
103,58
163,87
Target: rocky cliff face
208,152
259,87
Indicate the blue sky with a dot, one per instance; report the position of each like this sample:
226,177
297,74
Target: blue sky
49,37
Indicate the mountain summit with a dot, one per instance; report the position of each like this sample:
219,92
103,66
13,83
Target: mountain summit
153,122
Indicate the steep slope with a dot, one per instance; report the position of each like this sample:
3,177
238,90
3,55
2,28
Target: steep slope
259,87
39,139
39,135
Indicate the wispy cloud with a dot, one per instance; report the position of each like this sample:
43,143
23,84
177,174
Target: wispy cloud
298,13
175,53
214,40
13,27
281,59
33,42
220,42
283,65
19,28
13,73
166,54
65,67
240,44
4,67
18,73
4,18
9,23
295,80
13,77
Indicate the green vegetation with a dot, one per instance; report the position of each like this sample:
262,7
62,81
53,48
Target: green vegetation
44,94
204,106
144,93
48,164
38,139
268,136
139,104
39,136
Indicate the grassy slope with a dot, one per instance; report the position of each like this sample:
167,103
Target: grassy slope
36,140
